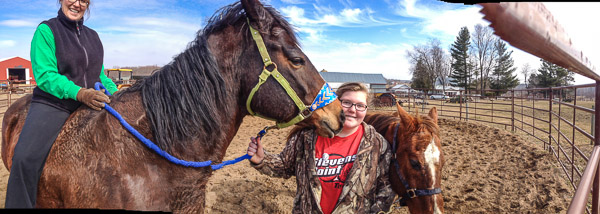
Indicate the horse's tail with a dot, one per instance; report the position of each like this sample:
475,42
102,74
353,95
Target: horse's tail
13,121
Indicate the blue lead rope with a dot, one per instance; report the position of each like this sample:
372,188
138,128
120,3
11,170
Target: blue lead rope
159,151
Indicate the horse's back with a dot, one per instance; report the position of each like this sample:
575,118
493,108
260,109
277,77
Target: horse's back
12,123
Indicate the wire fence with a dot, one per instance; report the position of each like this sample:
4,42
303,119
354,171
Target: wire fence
561,119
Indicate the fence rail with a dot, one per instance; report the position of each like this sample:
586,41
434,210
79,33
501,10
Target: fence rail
12,90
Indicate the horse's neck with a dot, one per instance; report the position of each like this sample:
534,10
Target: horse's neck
233,111
231,116
231,119
205,146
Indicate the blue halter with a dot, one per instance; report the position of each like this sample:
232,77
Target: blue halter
325,97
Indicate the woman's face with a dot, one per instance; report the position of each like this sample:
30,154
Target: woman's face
353,117
74,10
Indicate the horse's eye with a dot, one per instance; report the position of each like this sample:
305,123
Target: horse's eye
415,164
297,61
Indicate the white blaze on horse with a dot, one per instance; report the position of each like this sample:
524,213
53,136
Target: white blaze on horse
416,169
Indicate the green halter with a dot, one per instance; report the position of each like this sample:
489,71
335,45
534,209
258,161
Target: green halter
262,78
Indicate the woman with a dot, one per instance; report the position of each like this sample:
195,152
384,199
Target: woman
344,174
66,58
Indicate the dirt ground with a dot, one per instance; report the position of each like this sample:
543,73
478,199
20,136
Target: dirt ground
487,170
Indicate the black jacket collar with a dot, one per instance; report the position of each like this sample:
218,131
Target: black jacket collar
68,22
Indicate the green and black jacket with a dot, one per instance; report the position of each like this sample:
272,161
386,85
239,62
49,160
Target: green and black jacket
65,57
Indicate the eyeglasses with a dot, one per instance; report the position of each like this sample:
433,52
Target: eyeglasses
348,104
81,2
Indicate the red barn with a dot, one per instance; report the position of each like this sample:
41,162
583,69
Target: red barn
16,68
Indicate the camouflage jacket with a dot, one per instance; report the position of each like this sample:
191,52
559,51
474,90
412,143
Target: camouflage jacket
366,190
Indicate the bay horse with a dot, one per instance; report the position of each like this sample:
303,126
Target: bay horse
191,108
415,171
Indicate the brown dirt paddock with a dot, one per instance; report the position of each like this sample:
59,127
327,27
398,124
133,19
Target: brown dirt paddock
488,170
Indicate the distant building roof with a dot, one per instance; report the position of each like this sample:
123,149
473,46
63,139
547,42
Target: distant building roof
439,87
400,87
521,86
353,77
2,60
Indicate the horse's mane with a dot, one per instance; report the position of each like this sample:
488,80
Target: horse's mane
428,123
231,14
183,98
381,122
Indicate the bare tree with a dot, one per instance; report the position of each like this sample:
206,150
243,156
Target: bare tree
443,64
483,45
471,69
421,54
432,59
526,70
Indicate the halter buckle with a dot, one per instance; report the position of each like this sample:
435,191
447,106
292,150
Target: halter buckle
411,193
267,64
306,113
263,132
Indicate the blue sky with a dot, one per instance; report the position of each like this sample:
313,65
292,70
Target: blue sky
337,35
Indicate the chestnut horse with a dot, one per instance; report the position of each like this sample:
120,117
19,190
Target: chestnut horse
415,171
191,108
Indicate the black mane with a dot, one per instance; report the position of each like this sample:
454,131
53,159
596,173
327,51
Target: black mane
183,98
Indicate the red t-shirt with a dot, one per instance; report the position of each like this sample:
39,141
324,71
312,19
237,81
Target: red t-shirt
334,159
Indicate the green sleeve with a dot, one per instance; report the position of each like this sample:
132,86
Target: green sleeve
45,66
107,82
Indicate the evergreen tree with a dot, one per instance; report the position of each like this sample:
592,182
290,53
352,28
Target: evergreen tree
459,51
533,80
503,76
551,75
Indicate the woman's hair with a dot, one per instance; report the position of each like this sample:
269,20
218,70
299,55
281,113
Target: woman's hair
353,86
87,9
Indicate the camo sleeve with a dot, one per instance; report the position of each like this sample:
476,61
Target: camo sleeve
281,165
384,195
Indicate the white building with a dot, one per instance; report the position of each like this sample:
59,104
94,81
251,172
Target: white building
375,82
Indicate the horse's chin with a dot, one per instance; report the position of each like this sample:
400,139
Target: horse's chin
325,130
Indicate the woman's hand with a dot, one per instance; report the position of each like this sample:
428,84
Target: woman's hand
255,150
92,98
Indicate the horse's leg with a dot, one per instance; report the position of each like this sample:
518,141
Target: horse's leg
41,128
12,123
189,195
49,196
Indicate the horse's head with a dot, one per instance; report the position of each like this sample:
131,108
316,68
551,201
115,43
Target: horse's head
420,161
276,78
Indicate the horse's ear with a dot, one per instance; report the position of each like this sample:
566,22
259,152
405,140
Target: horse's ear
256,12
433,114
406,118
